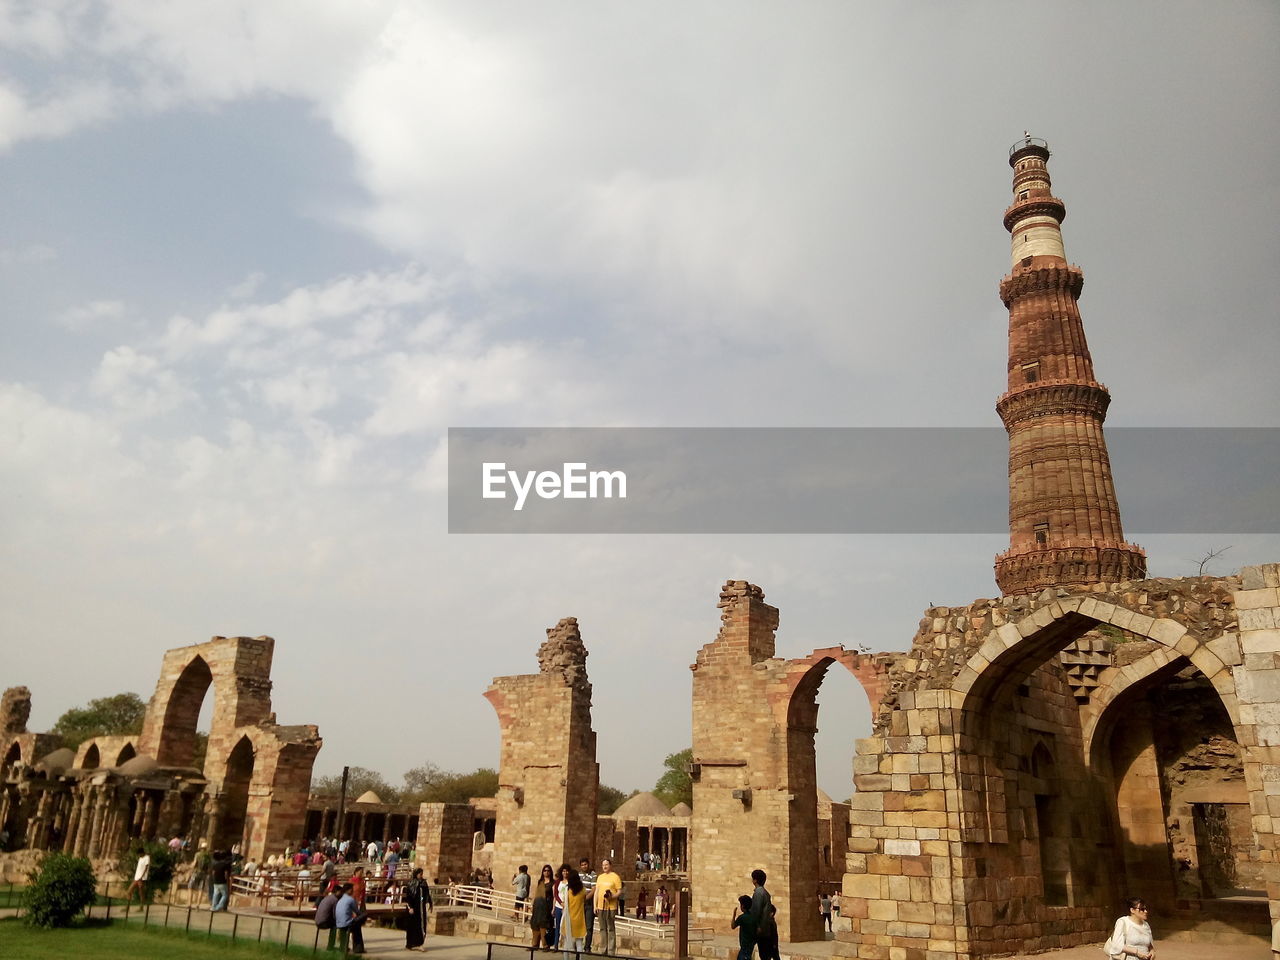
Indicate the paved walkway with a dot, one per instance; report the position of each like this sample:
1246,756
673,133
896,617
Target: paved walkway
388,942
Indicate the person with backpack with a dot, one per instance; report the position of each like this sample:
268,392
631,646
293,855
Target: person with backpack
1132,934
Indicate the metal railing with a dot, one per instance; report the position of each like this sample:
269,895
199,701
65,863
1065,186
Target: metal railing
499,903
294,936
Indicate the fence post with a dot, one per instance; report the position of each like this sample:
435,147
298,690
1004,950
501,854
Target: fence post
235,926
288,929
108,896
315,943
209,932
187,928
146,913
261,923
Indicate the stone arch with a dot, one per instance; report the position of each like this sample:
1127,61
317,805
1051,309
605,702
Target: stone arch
1000,691
1161,794
240,766
1117,684
795,709
237,670
1017,648
92,758
176,737
870,672
127,753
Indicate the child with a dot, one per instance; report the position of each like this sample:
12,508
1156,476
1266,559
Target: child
746,927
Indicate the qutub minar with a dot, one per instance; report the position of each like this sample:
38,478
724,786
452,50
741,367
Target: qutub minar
1064,522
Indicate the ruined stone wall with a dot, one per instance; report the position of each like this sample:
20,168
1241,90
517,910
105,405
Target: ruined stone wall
445,840
946,721
15,711
238,669
548,778
755,790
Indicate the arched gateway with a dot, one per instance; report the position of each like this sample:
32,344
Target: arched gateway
755,791
1044,797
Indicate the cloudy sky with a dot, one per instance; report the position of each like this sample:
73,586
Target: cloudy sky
257,256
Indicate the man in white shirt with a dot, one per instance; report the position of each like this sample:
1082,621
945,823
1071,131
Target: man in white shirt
141,873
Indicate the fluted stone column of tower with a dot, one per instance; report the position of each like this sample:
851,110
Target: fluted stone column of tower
1064,522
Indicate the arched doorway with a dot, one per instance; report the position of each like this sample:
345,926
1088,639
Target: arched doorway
177,741
234,826
126,754
92,758
817,845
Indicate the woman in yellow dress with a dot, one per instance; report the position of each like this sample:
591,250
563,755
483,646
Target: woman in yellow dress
573,923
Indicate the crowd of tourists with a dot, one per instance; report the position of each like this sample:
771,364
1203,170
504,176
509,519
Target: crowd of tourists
566,905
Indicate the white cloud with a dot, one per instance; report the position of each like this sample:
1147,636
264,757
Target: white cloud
89,314
138,385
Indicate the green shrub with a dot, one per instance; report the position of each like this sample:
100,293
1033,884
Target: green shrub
61,887
163,865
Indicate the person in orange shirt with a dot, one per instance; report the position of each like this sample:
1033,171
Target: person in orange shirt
608,887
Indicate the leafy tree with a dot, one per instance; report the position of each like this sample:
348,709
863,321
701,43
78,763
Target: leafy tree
359,780
429,784
675,785
611,798
60,888
163,864
104,716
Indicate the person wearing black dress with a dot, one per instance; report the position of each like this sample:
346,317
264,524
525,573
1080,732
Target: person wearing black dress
417,894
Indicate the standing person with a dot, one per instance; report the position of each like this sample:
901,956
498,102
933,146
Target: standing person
349,917
573,922
767,935
661,904
326,915
589,888
220,872
824,908
760,900
642,904
560,891
540,914
746,927
392,861
358,886
521,883
1132,935
608,893
141,874
417,894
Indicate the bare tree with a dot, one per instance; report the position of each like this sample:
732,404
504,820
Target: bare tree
1210,557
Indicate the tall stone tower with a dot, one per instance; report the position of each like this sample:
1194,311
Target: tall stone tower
1064,523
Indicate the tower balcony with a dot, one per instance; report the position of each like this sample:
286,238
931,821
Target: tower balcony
1028,146
1042,206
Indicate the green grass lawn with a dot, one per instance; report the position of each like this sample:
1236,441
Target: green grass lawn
120,941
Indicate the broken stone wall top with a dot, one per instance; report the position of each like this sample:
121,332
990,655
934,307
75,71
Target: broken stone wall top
564,654
15,711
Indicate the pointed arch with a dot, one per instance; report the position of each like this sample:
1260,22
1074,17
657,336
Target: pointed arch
177,735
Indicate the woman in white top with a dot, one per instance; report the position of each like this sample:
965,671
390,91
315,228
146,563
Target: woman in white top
1132,935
